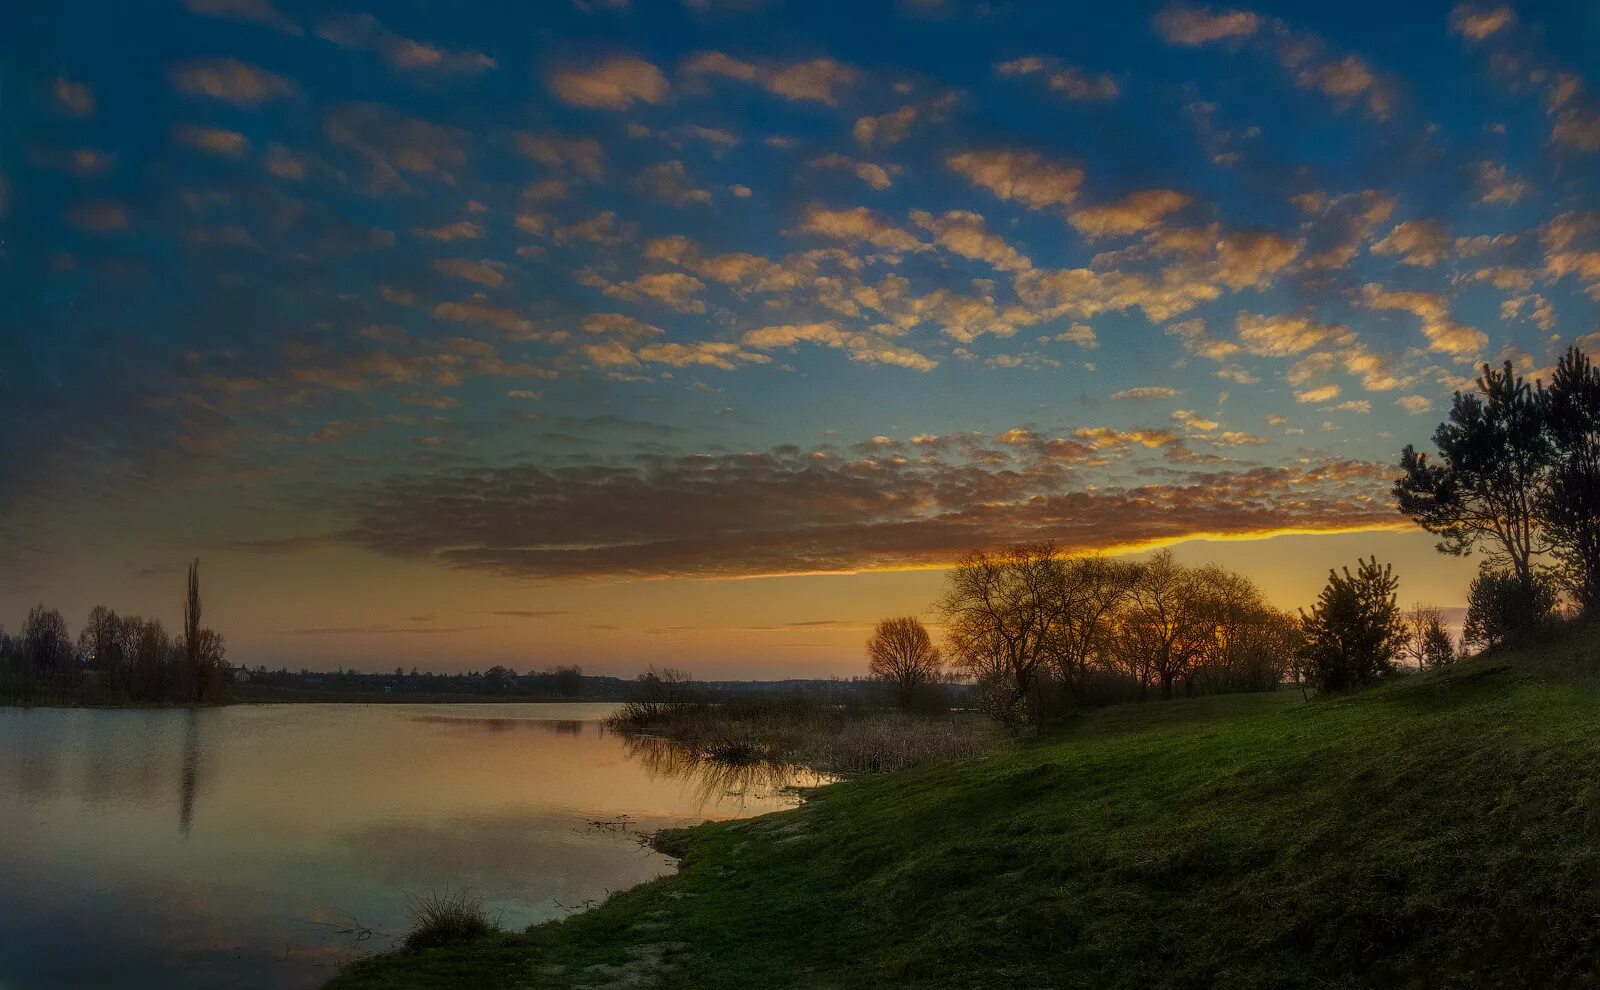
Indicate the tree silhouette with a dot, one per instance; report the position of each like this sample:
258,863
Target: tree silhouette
1571,504
1354,630
191,633
901,653
1488,484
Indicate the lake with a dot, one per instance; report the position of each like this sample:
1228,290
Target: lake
262,846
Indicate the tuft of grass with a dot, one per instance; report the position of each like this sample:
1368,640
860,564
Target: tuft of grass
446,917
1440,831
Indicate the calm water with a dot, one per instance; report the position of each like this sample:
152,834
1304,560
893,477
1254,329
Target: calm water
261,846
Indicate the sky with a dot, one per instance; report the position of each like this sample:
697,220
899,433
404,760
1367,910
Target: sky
707,332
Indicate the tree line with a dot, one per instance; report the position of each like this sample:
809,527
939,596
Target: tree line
1516,477
116,659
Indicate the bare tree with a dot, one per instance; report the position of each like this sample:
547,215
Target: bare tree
1170,622
46,643
901,653
1088,599
1001,617
1419,621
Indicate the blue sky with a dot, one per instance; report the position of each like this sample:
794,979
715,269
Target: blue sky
604,302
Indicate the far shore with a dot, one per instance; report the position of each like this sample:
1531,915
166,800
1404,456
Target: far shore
271,697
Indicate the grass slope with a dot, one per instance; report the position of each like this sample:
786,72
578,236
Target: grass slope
1440,831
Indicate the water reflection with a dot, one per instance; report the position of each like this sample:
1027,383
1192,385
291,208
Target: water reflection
189,771
302,828
715,780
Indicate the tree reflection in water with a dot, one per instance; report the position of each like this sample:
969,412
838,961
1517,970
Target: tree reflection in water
719,782
189,772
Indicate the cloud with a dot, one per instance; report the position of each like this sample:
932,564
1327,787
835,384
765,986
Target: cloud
1324,393
577,156
858,224
1571,243
364,32
1282,336
790,511
622,327
482,272
1424,243
873,174
885,128
962,233
1477,23
1136,212
261,12
213,140
1251,257
395,147
669,182
1191,26
75,99
615,83
231,81
1147,392
1443,333
1414,404
817,80
1025,177
1496,184
675,290
723,355
459,230
99,217
867,348
1189,419
1079,333
1347,80
479,310
1068,81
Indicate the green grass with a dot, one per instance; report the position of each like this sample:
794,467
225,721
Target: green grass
1439,831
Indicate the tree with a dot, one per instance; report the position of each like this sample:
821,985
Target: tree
1570,508
1354,630
1089,597
1491,477
1500,610
1427,643
1000,617
1169,622
901,653
45,642
191,633
1437,649
569,681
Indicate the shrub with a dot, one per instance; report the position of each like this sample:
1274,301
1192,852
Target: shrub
1502,609
446,917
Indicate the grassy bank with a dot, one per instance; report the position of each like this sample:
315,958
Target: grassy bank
1440,831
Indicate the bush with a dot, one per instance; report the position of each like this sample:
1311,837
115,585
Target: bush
1502,610
656,694
446,918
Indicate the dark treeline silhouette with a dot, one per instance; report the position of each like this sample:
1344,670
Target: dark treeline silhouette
115,660
567,682
1516,478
